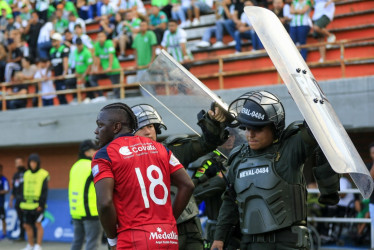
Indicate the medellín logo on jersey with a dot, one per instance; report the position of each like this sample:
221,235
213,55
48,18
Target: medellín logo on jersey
125,150
163,236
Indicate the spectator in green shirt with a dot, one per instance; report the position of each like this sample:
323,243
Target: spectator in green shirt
126,30
5,5
144,46
60,23
166,6
158,22
83,63
105,60
67,7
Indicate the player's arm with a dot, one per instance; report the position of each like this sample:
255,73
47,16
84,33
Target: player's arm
105,206
183,182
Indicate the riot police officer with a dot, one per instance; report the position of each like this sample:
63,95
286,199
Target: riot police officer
186,150
266,177
207,173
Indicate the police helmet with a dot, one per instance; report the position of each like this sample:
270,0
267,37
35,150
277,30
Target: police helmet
259,109
146,114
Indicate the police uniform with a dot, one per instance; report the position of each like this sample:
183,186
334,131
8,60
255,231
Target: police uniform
268,183
209,187
35,189
82,202
186,150
57,60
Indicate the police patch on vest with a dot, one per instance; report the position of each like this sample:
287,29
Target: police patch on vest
254,171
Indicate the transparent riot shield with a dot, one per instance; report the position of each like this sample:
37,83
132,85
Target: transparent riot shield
311,101
167,82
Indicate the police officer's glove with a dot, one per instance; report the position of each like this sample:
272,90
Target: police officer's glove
328,184
209,168
213,168
329,199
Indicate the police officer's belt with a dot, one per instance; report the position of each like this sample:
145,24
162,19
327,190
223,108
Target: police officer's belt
284,235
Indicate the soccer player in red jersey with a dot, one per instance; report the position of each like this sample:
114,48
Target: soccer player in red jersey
132,177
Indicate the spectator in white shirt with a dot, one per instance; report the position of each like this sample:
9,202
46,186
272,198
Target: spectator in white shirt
46,85
44,39
174,41
73,20
323,14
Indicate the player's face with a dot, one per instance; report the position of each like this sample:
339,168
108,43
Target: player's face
33,165
372,153
148,131
105,129
259,138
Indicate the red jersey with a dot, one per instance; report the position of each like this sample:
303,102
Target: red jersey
141,170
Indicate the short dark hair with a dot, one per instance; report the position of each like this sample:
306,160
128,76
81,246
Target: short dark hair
77,25
173,21
129,114
28,59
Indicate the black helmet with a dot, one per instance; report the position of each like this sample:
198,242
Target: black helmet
258,109
146,114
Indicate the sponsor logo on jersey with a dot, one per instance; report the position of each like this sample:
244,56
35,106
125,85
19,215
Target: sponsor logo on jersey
159,235
95,170
125,150
254,171
143,147
137,149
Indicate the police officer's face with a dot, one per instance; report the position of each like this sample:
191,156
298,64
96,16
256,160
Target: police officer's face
148,131
259,138
105,129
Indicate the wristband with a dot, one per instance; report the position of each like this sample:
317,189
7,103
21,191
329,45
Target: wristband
112,242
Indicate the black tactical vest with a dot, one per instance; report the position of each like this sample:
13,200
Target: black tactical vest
191,209
266,202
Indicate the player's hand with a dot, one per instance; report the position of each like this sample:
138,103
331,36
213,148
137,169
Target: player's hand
39,209
217,115
217,245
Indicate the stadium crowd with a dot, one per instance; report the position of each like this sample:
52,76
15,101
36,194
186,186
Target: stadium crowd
44,38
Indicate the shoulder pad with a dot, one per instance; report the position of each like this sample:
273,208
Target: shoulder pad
175,139
292,129
234,153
